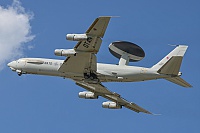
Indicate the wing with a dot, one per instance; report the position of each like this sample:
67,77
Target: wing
85,59
101,90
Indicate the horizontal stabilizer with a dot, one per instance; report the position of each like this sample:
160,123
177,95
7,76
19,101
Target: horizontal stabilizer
179,81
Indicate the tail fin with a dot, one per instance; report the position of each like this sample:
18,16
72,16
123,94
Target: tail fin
170,65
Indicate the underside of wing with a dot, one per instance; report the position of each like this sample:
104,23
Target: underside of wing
81,63
95,32
116,99
99,26
84,59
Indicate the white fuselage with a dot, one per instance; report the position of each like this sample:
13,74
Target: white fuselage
106,72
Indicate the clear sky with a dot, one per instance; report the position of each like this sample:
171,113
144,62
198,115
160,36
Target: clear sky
42,104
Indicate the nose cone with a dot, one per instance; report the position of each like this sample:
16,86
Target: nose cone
12,65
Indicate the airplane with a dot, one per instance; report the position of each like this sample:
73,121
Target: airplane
81,66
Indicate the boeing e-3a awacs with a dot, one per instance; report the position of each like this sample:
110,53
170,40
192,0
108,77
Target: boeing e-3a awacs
81,66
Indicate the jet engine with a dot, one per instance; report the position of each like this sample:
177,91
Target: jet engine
123,49
65,52
76,37
111,105
87,95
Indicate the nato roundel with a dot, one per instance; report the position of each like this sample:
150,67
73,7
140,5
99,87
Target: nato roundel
135,52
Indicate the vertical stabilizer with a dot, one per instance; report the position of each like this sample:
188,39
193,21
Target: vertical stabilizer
171,63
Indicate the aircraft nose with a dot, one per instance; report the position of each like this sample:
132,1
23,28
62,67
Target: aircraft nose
11,64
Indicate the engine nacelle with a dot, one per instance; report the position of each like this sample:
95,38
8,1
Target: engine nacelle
65,52
87,95
76,37
111,105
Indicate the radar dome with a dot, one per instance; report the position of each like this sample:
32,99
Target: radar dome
134,52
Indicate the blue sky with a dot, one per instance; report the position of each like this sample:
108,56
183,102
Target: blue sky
42,104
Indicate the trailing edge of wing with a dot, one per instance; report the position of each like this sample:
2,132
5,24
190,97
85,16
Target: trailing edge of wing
101,90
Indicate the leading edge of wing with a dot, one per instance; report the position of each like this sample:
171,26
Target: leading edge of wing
101,90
